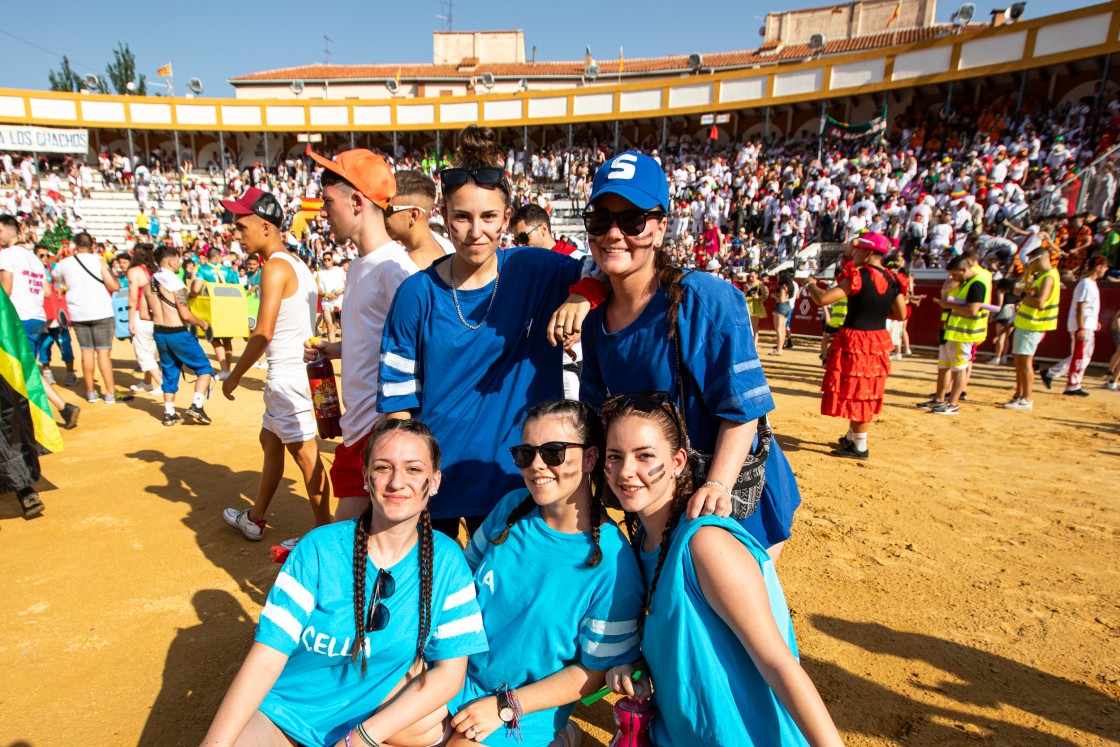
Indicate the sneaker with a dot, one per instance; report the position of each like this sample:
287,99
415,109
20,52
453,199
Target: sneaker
945,409
30,503
1047,379
71,379
896,356
1019,404
290,544
221,376
198,415
240,520
141,388
48,375
851,452
172,418
1078,392
92,398
70,416
845,442
995,362
931,403
1112,386
964,396
907,352
569,736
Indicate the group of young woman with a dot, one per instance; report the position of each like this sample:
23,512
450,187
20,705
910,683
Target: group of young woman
375,632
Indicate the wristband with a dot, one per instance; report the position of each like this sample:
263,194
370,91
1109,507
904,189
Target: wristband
718,485
361,729
348,742
595,291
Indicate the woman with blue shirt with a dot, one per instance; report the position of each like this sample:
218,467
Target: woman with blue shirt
687,333
356,608
464,347
715,630
558,586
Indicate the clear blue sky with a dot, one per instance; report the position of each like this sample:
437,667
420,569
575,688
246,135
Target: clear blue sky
218,40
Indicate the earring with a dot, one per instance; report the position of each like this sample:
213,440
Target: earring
676,475
434,492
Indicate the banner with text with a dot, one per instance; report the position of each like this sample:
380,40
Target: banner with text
844,131
43,140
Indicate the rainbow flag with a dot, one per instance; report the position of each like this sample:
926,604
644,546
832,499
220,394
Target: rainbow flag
21,386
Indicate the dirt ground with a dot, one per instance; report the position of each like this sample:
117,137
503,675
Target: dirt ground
962,586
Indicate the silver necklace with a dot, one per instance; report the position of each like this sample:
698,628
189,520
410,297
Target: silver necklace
455,298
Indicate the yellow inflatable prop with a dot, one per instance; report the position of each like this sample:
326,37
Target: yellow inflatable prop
225,307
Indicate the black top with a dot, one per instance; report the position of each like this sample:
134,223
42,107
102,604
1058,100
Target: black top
868,309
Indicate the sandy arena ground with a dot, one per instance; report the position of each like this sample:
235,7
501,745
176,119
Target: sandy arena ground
961,587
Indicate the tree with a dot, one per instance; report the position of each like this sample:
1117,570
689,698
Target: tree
65,79
122,70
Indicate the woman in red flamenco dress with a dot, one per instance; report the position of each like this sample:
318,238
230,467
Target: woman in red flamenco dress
858,364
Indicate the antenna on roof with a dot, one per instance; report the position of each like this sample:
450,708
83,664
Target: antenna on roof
448,14
327,49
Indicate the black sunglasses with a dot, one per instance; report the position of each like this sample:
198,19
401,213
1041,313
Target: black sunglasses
630,222
552,453
383,588
484,177
644,402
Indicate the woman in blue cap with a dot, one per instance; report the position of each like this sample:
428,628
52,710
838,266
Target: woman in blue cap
687,334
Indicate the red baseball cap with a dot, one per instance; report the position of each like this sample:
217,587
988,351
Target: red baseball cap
876,242
367,171
259,203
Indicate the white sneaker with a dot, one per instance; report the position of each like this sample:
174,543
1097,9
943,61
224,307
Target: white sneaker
896,356
221,376
240,520
92,397
48,375
290,544
260,364
995,362
141,388
1019,404
1112,386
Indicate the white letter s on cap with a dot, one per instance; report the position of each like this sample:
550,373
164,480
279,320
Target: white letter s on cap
623,167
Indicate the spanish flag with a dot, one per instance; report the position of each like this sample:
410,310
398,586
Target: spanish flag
27,428
896,14
165,71
620,60
398,78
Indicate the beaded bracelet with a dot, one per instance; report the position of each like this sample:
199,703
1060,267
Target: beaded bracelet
347,740
718,485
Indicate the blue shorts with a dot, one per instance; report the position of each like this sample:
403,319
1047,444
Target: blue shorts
1025,342
179,350
36,331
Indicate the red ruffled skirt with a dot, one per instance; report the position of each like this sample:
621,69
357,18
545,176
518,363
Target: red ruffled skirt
855,374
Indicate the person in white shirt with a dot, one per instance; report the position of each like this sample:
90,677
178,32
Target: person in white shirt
89,288
357,188
331,282
1083,324
24,278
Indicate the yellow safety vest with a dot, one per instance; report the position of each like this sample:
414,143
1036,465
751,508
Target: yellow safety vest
960,328
1044,317
838,312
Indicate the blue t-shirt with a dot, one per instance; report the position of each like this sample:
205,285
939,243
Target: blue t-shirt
707,688
309,616
216,274
153,226
473,387
724,378
544,609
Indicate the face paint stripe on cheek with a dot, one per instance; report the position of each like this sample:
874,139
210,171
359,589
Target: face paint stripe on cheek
657,474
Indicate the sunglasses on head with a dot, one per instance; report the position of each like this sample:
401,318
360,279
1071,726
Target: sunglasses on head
383,588
552,453
392,210
630,222
488,176
644,402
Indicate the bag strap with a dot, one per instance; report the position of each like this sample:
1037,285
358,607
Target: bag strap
86,270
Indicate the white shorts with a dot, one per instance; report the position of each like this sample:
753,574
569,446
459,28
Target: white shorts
144,345
287,410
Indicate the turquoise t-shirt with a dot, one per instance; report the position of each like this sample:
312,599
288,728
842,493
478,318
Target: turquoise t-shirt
309,616
544,609
706,687
211,273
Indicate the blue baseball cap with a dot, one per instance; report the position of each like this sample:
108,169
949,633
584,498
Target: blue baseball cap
635,177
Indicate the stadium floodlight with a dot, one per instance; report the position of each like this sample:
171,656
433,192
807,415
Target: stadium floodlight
963,15
591,72
392,85
130,86
194,85
296,86
487,79
695,61
817,42
1015,12
762,30
91,82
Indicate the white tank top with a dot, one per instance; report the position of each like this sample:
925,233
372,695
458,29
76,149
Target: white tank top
294,325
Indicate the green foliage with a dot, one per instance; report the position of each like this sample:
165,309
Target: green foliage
64,79
58,236
122,70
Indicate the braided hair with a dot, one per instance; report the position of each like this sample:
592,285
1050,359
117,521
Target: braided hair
426,540
590,429
668,419
669,278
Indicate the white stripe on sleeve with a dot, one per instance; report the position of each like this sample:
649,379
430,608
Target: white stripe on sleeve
607,650
464,595
606,627
294,589
282,619
398,362
471,624
400,388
